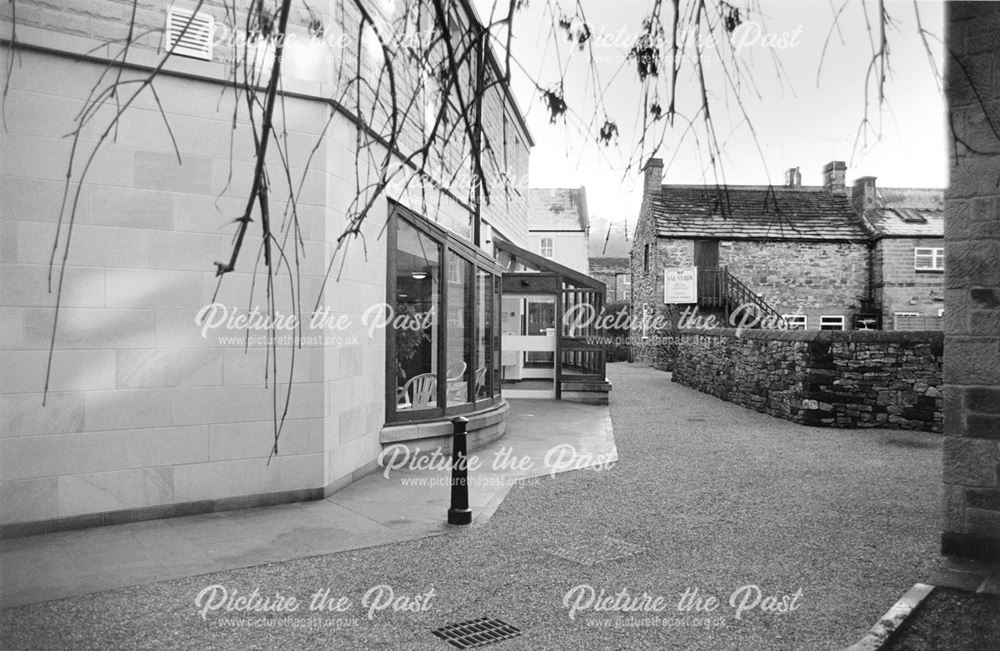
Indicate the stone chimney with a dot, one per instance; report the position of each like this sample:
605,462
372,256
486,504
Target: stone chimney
863,194
835,177
652,176
793,178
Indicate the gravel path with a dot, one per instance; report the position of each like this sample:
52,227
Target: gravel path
712,496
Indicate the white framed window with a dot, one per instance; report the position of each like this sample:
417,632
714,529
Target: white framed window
625,284
796,321
432,102
371,45
941,312
517,162
547,247
831,323
907,321
928,258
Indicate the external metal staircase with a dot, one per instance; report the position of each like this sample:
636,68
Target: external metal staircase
720,290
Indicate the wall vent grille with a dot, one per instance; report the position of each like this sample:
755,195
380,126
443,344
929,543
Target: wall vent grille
191,32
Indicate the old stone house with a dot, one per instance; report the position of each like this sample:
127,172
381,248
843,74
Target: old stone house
795,252
149,415
609,257
559,225
616,274
821,257
907,235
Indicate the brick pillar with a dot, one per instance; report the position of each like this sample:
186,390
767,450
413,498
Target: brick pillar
972,286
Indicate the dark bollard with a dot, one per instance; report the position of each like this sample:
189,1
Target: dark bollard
459,512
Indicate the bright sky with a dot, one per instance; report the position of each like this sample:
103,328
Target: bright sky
798,122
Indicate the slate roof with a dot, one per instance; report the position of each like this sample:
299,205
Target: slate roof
557,209
755,212
609,239
605,265
899,211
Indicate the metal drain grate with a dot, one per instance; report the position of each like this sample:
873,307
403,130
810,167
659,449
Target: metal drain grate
592,552
475,633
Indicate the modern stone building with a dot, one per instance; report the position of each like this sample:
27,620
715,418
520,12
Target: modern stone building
559,225
150,413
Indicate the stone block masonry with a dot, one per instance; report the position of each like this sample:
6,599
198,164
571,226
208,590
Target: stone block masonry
822,378
147,415
795,277
972,285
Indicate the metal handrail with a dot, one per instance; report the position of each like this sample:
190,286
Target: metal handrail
720,288
740,294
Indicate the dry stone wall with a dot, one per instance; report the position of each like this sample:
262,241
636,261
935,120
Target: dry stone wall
822,378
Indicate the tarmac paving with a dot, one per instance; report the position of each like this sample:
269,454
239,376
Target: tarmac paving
407,500
718,528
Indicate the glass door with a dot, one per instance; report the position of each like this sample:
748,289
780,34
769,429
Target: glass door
529,346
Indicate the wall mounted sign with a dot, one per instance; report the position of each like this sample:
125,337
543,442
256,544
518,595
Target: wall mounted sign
680,285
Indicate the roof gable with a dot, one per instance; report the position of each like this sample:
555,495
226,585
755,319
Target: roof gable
604,265
557,209
608,239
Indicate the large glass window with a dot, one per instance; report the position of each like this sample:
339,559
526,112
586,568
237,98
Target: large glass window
484,333
497,366
443,345
460,324
415,323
